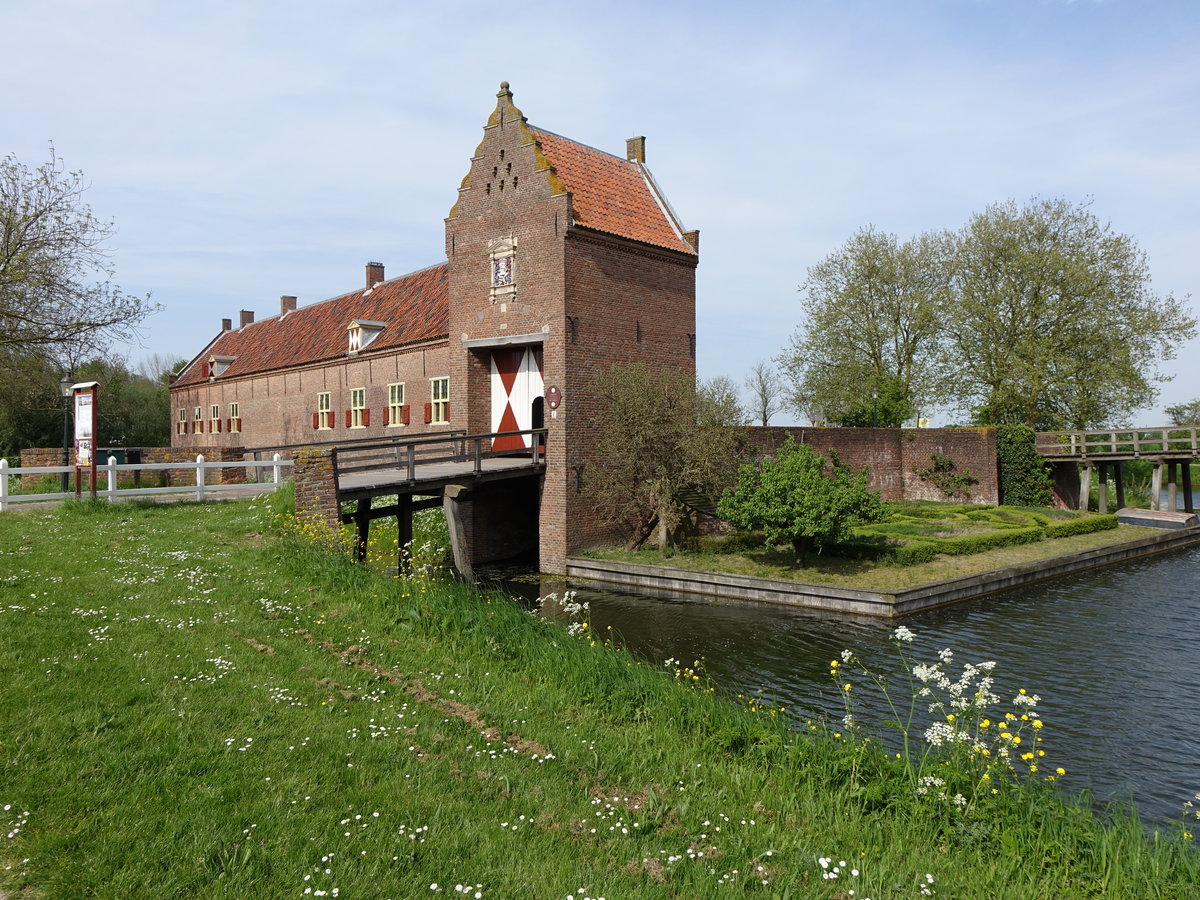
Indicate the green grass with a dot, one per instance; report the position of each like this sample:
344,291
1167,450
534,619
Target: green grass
198,701
920,542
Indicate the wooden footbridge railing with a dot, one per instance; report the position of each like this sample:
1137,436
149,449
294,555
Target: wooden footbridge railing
1129,443
1171,449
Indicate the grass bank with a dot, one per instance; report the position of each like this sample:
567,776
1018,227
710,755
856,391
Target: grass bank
950,541
197,704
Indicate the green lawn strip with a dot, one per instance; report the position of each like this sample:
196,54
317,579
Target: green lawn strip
776,562
193,705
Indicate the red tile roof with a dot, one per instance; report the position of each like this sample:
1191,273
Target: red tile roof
415,307
611,194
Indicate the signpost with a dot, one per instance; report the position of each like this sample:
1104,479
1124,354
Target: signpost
84,395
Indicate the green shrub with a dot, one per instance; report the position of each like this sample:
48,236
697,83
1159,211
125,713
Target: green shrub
978,543
1086,525
1024,478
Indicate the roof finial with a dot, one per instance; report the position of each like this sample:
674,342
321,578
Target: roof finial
504,89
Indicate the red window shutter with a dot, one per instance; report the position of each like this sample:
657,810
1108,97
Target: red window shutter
367,416
229,424
387,414
428,413
217,423
404,414
447,410
316,421
201,428
347,418
239,423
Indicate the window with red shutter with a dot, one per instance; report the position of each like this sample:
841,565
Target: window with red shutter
428,413
385,416
366,417
347,418
404,415
316,421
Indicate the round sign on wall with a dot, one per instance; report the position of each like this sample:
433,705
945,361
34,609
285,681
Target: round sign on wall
553,397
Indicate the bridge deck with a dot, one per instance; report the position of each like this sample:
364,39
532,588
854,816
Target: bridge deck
433,476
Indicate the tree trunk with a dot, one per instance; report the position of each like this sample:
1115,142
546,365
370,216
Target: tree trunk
800,548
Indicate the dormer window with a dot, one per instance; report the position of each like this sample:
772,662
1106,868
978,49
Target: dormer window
218,364
362,332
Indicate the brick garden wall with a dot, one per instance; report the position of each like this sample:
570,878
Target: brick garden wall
895,455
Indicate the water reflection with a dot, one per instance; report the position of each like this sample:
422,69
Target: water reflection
1112,653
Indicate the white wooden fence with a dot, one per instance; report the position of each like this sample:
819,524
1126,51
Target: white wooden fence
108,474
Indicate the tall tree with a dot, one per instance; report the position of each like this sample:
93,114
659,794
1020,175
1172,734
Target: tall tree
872,318
1053,323
1185,413
766,392
662,442
54,267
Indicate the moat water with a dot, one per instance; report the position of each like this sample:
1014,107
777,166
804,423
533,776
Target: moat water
1114,655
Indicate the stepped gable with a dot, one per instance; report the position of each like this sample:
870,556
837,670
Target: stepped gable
415,308
610,194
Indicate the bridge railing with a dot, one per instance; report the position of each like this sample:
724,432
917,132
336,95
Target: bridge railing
1127,443
455,447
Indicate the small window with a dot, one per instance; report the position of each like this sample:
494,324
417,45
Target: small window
440,400
323,417
395,404
214,419
358,408
197,422
235,418
362,332
181,421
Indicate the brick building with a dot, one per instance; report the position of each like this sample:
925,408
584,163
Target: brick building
561,260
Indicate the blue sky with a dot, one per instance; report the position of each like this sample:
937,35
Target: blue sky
252,149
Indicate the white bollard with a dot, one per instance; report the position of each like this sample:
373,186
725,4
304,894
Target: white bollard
3,484
110,472
200,476
275,469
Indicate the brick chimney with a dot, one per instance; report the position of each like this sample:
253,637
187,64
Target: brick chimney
374,273
287,304
245,317
635,149
227,324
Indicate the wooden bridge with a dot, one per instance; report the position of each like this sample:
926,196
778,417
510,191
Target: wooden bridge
421,473
1170,449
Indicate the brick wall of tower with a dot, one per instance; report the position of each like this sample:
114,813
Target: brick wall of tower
535,215
629,303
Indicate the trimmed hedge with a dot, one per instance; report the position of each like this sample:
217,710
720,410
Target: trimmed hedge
1088,525
978,543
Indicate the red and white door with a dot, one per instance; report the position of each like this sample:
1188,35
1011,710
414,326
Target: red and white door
516,384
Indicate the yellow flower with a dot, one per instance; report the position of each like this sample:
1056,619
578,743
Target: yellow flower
1033,768
846,686
1061,771
1037,723
985,723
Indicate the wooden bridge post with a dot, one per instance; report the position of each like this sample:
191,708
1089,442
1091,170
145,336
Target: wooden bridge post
1171,490
452,498
1156,485
1102,490
362,529
1187,486
404,533
1120,485
1085,486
